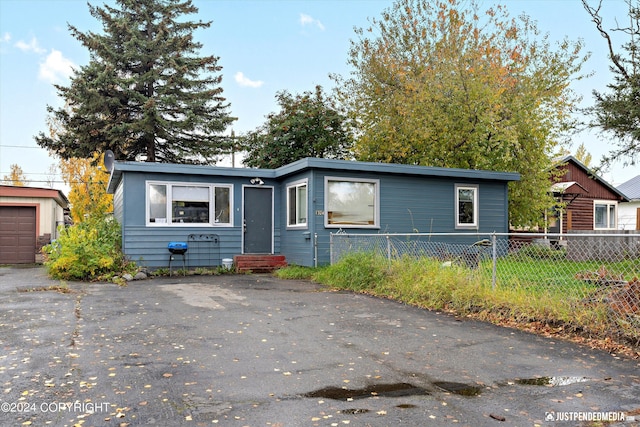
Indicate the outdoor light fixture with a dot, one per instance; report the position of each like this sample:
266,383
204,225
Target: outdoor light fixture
257,181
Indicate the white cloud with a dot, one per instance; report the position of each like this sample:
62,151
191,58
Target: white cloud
309,20
32,46
56,67
243,80
4,42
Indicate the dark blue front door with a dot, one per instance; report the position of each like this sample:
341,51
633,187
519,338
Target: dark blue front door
258,220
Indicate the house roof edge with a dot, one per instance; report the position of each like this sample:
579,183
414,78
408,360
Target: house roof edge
304,164
350,165
598,178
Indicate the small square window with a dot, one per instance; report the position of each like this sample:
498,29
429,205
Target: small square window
605,215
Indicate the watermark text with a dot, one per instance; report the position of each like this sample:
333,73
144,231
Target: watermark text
77,406
605,416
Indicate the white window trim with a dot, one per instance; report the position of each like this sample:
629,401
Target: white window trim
376,211
296,184
170,184
607,203
476,210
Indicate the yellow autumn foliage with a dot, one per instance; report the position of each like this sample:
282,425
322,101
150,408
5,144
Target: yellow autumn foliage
88,195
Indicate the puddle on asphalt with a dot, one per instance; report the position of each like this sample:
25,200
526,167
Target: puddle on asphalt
382,390
395,390
406,389
550,381
460,389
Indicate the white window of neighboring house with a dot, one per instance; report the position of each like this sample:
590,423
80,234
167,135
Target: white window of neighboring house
466,201
173,203
297,204
352,203
605,215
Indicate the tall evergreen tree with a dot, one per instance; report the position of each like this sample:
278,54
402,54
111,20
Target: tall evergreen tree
145,93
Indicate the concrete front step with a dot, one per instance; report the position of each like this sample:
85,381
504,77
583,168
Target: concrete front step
259,263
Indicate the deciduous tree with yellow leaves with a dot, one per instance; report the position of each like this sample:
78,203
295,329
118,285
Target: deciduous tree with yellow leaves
16,177
88,195
444,83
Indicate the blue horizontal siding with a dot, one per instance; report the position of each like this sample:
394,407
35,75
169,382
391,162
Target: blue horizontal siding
416,204
148,246
412,199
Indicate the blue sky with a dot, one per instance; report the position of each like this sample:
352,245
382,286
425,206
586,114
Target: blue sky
264,47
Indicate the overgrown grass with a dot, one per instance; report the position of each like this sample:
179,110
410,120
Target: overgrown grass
560,274
296,272
465,292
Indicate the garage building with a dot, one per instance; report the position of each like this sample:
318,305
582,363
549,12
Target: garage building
29,219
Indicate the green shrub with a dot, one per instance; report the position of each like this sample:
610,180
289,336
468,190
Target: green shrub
85,251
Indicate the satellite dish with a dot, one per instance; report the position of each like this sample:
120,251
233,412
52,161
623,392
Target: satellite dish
108,160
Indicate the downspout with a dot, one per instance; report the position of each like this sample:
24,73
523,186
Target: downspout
315,249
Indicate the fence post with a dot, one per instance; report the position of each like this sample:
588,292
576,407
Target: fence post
388,249
494,259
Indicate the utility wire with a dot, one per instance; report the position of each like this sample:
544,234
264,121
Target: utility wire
52,182
20,146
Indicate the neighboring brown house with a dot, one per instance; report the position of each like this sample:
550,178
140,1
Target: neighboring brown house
589,202
29,219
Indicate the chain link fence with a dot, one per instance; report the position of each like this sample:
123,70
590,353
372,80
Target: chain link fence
580,269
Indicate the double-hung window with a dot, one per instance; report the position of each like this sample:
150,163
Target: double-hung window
172,203
297,204
352,203
466,206
605,214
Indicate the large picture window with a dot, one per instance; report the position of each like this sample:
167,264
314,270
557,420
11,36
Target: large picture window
297,205
604,215
466,206
351,203
186,203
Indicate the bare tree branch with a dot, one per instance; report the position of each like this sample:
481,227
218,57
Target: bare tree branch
594,12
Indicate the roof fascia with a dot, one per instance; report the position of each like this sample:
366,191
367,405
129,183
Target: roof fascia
353,166
306,164
36,192
147,167
594,176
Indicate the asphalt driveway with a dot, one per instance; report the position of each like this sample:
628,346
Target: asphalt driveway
251,350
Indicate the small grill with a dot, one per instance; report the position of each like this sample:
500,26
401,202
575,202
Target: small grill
177,248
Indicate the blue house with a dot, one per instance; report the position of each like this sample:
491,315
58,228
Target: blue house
223,212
